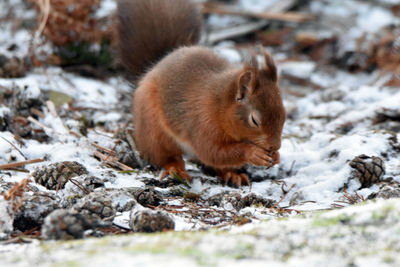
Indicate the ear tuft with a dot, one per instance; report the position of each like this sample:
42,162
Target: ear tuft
244,85
270,67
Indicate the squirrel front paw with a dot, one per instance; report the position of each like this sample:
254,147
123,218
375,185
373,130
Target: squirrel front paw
260,157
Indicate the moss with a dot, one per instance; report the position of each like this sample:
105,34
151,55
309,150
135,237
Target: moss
86,122
150,248
196,254
337,235
247,251
319,221
81,53
71,263
383,213
388,259
59,98
287,256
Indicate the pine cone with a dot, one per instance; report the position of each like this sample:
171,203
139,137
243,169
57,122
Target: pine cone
96,204
56,175
12,67
238,201
368,170
34,208
149,221
67,224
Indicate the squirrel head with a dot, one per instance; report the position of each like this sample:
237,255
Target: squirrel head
257,113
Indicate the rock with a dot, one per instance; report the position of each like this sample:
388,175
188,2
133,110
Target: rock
150,221
56,175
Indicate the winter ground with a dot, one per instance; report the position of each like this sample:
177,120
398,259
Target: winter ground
326,128
361,235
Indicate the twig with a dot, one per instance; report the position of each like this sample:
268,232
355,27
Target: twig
37,112
103,149
16,148
21,163
226,10
79,185
52,108
16,240
19,139
35,121
44,6
284,196
112,161
16,191
301,81
18,170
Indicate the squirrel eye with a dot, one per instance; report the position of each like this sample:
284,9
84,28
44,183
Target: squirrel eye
254,120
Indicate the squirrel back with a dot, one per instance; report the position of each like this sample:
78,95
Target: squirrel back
150,29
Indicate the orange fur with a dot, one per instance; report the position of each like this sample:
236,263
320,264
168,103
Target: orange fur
193,100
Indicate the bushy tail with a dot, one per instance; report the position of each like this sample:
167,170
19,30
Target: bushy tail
149,29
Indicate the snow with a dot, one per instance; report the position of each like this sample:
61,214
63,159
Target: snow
314,165
255,5
363,234
299,69
307,143
107,8
6,218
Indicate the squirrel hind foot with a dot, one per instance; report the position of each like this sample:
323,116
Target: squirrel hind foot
234,178
175,169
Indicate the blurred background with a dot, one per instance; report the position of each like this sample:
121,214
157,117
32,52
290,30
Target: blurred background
349,35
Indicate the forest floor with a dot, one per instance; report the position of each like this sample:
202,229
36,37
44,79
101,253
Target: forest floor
68,169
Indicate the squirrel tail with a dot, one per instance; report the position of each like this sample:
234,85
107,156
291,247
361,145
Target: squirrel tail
149,29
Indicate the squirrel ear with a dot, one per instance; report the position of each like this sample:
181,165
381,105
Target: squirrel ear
270,69
244,85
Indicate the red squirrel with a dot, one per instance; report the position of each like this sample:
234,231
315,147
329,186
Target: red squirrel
190,100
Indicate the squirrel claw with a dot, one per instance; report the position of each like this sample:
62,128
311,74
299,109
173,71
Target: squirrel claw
260,157
172,171
234,178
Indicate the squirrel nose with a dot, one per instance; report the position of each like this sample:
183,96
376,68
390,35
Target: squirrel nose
273,148
275,144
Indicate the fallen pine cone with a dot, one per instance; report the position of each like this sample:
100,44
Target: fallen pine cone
368,170
56,175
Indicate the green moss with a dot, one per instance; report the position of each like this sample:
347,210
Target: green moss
287,256
59,98
247,251
319,221
382,214
81,53
196,254
71,263
388,259
337,235
149,248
